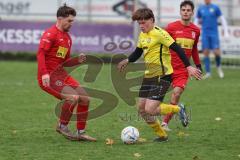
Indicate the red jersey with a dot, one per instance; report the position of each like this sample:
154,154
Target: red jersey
187,37
54,50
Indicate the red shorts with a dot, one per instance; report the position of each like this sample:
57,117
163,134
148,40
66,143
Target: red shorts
179,79
57,84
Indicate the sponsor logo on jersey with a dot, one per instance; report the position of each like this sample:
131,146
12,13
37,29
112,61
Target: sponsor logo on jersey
58,83
211,10
61,52
149,40
185,43
193,35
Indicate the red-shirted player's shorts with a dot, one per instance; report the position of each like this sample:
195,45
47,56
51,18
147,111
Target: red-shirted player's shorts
179,79
57,83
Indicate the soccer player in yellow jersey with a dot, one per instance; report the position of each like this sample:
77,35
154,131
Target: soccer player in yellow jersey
154,43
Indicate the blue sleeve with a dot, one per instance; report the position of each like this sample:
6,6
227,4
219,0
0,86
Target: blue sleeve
199,13
218,11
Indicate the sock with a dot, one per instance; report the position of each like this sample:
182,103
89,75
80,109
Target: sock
207,64
158,129
66,113
168,108
167,118
218,61
62,125
82,114
80,131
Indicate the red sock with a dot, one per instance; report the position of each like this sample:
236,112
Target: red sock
167,118
66,112
82,114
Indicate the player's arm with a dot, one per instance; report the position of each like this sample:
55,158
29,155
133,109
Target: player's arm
132,58
42,68
224,25
223,21
180,52
70,62
165,39
41,61
74,61
44,47
197,18
135,55
195,55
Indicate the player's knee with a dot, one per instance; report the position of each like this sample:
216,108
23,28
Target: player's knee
206,52
150,110
73,100
217,53
177,94
84,100
141,105
141,109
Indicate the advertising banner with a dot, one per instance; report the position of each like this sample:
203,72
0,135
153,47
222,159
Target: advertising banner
25,36
96,38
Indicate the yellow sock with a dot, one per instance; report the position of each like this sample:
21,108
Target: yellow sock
158,128
168,108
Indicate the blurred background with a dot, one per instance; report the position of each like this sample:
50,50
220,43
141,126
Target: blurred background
100,22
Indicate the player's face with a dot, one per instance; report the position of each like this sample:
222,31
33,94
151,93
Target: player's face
207,1
66,23
146,25
186,13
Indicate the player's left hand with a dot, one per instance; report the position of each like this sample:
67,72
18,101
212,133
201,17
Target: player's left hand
194,72
82,58
122,65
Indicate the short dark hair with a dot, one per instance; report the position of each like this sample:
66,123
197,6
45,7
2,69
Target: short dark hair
65,11
187,2
143,14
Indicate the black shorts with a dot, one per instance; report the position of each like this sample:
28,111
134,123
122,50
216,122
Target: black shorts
155,88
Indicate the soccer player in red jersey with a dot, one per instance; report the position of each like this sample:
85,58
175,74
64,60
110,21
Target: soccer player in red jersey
186,34
53,55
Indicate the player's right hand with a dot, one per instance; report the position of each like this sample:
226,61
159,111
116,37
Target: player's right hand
82,58
122,65
194,72
46,80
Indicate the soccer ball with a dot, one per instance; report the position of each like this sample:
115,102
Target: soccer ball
129,135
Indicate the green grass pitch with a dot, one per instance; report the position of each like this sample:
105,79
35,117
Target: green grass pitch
27,125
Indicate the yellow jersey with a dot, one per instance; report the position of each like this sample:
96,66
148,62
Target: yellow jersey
157,57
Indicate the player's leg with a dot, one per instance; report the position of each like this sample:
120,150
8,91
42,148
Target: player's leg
159,88
82,109
157,94
141,111
217,53
70,100
205,47
177,92
67,105
147,86
70,97
147,111
175,97
164,109
180,79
